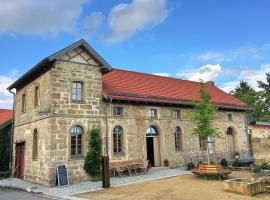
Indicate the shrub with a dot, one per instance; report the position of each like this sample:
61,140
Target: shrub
212,162
190,166
224,162
265,166
92,164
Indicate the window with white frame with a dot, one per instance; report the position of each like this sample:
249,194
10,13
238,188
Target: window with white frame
117,140
152,113
117,111
176,114
77,91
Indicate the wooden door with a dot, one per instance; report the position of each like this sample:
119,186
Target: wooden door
19,160
156,152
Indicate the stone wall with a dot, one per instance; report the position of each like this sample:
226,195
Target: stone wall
35,117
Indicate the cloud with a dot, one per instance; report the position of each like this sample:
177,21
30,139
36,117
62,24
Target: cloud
208,72
163,74
235,54
5,96
211,56
92,23
39,17
125,20
249,75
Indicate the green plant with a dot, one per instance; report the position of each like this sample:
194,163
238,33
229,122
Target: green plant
265,166
92,160
224,162
202,116
190,166
256,168
212,162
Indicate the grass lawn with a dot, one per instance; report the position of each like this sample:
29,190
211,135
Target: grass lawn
187,187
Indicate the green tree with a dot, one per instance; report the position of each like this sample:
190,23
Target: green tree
265,96
92,164
254,99
203,114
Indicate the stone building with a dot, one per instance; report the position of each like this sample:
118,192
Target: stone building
68,93
260,137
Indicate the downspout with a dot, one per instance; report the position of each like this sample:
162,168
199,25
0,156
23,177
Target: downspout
248,136
12,132
107,124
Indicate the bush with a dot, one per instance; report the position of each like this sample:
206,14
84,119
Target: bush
92,164
224,162
190,166
265,166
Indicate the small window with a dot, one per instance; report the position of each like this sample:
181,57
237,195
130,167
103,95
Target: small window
117,140
176,114
35,145
36,97
230,117
177,138
151,131
203,143
152,113
117,111
76,141
23,102
77,91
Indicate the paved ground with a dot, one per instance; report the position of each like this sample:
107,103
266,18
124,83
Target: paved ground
67,192
188,187
10,194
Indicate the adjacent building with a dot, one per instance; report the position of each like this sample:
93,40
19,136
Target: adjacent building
70,92
260,134
5,139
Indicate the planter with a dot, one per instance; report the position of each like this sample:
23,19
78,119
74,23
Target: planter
245,186
166,163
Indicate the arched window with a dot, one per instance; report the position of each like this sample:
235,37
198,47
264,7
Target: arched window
35,145
117,140
177,138
151,131
76,141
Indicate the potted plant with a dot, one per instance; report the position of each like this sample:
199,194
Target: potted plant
166,163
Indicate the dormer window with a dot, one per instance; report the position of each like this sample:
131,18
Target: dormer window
152,113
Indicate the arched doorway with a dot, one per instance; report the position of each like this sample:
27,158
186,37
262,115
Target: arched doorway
232,140
152,146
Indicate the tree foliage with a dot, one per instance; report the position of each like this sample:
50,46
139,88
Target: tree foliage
258,100
92,164
203,114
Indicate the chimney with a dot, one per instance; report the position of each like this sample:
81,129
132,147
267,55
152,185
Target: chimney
210,83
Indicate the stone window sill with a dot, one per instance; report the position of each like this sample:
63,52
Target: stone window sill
76,158
78,102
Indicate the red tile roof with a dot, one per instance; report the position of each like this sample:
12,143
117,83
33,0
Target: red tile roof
5,116
134,86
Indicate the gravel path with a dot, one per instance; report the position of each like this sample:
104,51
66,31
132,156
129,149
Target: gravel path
67,192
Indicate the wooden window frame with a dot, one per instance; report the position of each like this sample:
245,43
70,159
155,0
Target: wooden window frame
78,137
118,140
115,111
36,95
152,113
23,107
177,114
177,138
35,145
76,94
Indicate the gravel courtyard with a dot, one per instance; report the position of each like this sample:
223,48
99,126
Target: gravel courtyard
186,187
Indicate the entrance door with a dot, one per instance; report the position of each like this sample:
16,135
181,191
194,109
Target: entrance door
150,150
19,160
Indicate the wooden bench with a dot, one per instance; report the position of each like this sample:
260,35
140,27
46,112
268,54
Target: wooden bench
119,167
211,170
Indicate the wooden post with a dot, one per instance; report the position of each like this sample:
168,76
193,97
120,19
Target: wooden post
105,171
